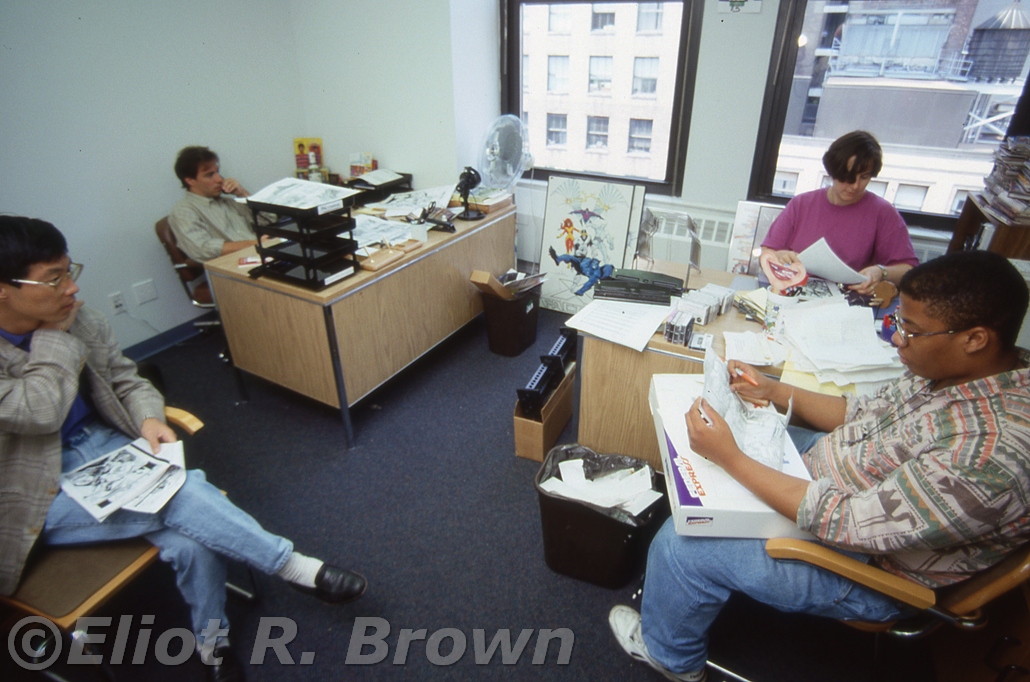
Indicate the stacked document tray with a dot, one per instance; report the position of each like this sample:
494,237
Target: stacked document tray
317,250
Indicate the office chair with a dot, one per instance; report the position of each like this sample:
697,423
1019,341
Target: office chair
191,273
65,583
959,605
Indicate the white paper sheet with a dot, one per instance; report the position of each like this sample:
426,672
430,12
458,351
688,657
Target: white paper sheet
403,203
821,261
302,194
628,324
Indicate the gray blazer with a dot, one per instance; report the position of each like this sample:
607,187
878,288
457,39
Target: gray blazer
36,392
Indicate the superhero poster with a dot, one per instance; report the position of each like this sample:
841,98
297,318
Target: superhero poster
586,228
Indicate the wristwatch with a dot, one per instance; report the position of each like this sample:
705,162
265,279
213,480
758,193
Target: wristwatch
883,271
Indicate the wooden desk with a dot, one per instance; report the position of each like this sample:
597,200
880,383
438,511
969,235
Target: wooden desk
339,344
614,415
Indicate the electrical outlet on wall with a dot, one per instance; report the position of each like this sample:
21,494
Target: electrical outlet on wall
144,291
118,303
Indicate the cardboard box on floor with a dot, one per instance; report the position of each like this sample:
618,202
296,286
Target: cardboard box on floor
705,500
534,439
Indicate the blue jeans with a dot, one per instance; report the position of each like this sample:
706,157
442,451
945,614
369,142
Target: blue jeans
804,438
690,579
194,532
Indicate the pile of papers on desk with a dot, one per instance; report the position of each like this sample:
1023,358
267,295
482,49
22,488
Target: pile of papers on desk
838,343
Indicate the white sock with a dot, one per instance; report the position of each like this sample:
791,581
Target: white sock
300,569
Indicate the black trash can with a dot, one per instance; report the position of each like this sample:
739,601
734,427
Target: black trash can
511,324
602,546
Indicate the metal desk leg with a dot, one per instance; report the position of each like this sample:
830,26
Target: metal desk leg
341,389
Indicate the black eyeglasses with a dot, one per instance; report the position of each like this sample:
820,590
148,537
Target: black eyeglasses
905,336
74,270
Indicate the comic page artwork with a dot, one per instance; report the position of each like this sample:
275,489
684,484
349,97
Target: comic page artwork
586,224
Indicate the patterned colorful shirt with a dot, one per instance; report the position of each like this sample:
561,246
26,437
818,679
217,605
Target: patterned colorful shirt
936,484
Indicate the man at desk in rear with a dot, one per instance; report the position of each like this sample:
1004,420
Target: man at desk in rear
207,223
928,479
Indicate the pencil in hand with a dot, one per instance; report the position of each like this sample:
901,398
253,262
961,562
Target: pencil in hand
747,377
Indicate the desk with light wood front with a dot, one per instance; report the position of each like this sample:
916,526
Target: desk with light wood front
339,344
614,415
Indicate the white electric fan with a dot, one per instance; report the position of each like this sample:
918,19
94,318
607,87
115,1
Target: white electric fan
503,158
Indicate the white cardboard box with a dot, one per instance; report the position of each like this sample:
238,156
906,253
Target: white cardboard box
705,500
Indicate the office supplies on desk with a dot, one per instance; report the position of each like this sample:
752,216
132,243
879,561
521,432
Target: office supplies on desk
549,374
638,286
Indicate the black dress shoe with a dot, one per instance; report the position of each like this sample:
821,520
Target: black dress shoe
229,670
335,585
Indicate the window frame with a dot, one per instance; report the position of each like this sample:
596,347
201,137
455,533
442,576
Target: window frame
686,76
789,21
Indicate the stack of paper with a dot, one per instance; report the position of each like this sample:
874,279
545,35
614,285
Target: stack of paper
838,343
626,489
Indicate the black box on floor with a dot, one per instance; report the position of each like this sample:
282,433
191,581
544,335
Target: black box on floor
511,325
590,543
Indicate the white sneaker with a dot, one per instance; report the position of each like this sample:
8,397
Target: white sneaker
625,624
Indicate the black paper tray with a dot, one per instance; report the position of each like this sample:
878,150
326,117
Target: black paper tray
323,226
313,254
307,277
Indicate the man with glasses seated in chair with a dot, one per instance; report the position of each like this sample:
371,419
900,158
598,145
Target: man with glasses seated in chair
928,479
67,396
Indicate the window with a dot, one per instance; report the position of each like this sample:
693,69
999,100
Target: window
959,201
879,67
597,132
640,135
649,17
877,187
785,183
600,74
556,129
582,63
910,196
557,74
558,19
602,16
645,75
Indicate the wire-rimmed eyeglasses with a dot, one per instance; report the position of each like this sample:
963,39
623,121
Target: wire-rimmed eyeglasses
905,336
74,270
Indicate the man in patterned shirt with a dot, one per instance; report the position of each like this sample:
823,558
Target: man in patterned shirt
928,479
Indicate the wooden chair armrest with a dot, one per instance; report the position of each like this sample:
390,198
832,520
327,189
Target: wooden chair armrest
893,586
183,419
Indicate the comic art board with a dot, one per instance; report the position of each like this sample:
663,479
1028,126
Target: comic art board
750,226
586,230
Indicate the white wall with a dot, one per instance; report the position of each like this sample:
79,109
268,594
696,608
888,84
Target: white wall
376,77
100,95
97,99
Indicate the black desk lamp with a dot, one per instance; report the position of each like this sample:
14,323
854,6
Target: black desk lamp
468,181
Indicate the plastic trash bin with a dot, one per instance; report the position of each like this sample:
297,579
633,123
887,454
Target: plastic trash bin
602,546
511,325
